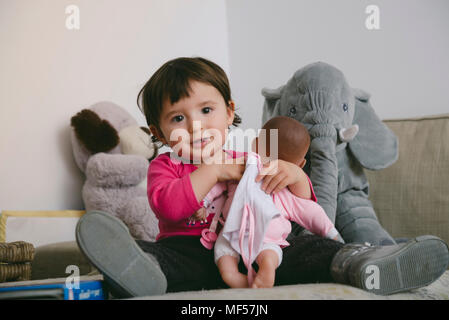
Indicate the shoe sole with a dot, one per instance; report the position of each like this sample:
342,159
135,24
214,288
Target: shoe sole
417,264
129,270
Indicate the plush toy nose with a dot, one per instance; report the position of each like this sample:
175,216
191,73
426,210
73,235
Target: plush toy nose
347,134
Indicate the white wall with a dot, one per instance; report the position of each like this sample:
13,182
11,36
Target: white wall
49,73
404,65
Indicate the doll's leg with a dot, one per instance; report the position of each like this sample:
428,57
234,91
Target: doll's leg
227,260
228,267
268,260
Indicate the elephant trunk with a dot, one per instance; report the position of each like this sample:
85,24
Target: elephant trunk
324,167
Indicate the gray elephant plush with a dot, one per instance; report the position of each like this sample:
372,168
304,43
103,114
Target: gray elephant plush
346,136
114,153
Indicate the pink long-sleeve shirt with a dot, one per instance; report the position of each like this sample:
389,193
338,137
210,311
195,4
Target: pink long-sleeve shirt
171,196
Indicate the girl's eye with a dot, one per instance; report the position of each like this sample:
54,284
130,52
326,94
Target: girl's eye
345,107
178,118
206,110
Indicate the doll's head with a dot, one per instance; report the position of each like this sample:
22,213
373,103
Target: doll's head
191,95
293,141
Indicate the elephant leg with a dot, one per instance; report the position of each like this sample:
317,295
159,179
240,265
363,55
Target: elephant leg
357,222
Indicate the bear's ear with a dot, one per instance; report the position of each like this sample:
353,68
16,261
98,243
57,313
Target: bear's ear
95,135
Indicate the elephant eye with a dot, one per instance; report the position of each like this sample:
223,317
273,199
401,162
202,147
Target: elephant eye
345,107
293,111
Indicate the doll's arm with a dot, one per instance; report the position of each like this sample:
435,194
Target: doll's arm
303,188
312,216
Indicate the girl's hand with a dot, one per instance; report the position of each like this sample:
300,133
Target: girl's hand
278,174
207,175
231,171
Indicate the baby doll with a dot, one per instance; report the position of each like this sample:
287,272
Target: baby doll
268,215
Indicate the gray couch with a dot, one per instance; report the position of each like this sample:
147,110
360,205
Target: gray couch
411,198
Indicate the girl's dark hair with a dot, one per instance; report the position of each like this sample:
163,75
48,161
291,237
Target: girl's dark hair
171,81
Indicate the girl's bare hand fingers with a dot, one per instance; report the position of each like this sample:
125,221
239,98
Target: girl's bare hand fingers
269,170
275,182
271,180
267,177
266,181
279,187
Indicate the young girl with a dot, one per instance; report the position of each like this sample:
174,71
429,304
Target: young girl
196,126
188,106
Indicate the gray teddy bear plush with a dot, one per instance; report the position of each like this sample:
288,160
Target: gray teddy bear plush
114,154
346,136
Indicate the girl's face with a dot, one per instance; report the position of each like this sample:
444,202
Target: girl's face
195,127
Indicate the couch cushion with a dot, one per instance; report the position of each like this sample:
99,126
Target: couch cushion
411,197
438,290
52,260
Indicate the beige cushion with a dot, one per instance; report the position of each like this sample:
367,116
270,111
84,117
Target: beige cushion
411,197
52,260
438,290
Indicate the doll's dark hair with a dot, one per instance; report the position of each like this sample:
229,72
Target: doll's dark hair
293,138
171,81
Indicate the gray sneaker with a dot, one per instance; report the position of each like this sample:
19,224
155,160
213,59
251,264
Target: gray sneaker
107,243
390,269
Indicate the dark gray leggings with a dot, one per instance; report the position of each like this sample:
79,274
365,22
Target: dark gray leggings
187,265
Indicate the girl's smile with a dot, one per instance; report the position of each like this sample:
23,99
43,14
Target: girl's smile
201,142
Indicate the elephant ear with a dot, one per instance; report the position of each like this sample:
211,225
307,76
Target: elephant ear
375,146
271,104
